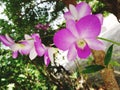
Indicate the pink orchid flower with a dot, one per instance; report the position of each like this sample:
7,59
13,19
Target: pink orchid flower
82,9
79,37
31,42
38,48
41,49
21,47
32,45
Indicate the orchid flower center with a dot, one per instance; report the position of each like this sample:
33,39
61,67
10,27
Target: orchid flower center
17,46
20,45
81,43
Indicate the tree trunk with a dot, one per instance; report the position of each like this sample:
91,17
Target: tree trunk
107,74
67,2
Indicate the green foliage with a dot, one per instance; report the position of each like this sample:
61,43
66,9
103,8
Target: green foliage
21,72
108,55
114,63
23,15
92,69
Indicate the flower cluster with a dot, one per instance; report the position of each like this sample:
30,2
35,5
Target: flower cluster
79,36
31,46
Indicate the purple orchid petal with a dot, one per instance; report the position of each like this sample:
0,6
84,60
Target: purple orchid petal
83,10
95,44
72,53
35,35
46,58
83,53
32,54
40,49
68,16
9,39
25,51
71,25
15,54
73,11
100,17
4,40
88,26
63,39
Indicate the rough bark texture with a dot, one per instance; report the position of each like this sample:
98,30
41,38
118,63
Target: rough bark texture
67,2
109,79
107,74
98,57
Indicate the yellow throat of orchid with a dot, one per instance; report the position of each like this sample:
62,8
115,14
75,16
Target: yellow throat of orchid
81,43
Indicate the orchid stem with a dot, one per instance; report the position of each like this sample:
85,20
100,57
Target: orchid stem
108,40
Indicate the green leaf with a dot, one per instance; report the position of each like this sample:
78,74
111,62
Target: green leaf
93,69
108,55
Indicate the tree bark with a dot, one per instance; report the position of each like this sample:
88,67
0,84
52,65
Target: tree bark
67,2
107,74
